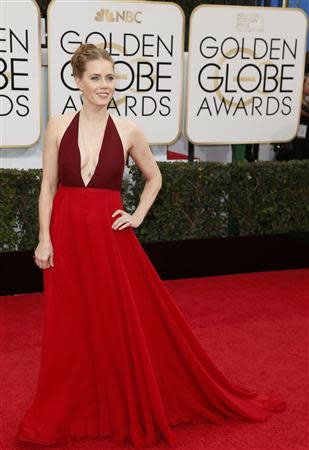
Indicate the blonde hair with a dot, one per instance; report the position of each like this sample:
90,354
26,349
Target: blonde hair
85,53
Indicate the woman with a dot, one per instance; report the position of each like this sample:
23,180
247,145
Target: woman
118,358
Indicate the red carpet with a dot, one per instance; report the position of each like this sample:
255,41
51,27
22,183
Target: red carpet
254,326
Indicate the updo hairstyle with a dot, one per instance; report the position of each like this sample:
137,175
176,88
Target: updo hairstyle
85,53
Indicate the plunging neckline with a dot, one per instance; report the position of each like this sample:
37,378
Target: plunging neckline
99,154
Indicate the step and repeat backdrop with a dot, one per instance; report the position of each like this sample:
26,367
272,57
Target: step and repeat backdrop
244,75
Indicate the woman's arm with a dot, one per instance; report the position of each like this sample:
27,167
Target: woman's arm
144,159
49,177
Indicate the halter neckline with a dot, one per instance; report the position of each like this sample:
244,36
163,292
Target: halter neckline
99,153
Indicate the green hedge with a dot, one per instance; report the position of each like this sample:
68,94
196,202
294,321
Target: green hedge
198,200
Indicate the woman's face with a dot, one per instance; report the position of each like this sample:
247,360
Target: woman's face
97,82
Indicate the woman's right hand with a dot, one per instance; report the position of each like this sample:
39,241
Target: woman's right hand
43,255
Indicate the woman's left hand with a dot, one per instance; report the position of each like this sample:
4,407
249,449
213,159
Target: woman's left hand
125,220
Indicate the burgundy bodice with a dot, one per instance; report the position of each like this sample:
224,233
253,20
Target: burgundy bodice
108,173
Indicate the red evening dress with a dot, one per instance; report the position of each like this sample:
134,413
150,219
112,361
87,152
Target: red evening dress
118,357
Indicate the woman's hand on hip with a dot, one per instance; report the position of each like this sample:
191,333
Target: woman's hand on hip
125,220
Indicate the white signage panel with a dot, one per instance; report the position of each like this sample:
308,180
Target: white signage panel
245,74
20,73
145,40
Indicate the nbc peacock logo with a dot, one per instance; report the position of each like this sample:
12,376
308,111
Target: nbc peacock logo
127,16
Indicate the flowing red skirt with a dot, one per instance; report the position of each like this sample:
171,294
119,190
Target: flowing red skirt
118,358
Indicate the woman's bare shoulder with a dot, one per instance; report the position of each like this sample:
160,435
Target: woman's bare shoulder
126,124
59,123
125,129
62,119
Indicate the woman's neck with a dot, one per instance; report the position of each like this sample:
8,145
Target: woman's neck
94,115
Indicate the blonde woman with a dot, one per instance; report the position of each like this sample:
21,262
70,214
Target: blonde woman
118,358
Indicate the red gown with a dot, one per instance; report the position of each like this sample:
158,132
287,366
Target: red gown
118,358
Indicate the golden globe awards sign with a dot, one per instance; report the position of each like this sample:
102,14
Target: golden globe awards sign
245,74
146,42
20,73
